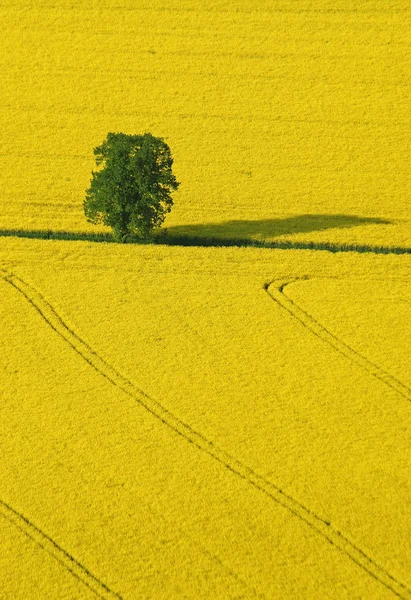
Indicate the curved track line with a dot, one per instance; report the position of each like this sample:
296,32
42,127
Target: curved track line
309,517
203,549
79,571
276,292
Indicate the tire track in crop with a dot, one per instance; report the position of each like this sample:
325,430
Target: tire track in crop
276,293
318,524
68,561
83,574
6,276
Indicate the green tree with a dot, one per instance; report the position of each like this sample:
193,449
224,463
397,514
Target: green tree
131,192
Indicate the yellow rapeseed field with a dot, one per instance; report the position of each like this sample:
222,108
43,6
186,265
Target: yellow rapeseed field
208,422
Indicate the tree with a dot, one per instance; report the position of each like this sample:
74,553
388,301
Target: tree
132,191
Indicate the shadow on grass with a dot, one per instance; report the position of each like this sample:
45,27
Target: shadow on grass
266,229
258,233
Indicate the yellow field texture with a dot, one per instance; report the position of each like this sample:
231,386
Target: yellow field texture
287,119
199,423
207,423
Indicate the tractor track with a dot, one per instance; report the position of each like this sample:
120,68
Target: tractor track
275,290
79,571
83,574
319,525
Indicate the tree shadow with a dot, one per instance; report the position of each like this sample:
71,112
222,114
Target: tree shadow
255,233
267,229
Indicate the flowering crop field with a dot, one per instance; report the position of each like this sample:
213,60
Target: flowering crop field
180,421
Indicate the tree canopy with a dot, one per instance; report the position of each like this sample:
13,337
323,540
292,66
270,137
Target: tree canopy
131,192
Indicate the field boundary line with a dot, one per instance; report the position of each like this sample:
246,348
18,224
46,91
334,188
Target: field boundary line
80,572
319,525
276,292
